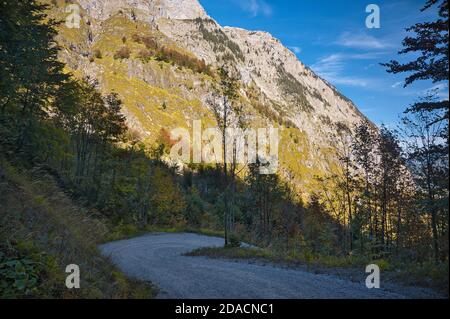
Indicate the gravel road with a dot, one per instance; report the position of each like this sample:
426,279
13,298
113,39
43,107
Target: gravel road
159,258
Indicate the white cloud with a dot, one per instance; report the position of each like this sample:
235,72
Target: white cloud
348,80
396,85
256,7
295,49
361,41
329,64
331,68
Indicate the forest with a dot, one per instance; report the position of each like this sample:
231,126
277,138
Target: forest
385,201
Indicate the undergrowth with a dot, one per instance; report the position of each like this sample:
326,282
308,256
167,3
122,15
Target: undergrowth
41,232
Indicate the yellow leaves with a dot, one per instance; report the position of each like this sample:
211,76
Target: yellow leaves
167,199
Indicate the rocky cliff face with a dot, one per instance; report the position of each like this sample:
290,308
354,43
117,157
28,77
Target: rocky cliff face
292,89
276,88
146,10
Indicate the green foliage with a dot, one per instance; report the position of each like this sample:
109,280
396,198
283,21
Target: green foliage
41,232
266,195
219,39
427,122
26,40
427,274
19,276
289,84
195,208
121,231
234,241
167,201
430,42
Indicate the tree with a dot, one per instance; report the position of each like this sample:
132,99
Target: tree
344,180
363,147
431,44
430,168
389,174
29,68
195,207
167,201
270,201
426,142
222,104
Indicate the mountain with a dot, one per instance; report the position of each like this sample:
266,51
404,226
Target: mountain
158,56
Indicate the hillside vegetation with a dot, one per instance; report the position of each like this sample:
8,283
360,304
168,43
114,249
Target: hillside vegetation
42,231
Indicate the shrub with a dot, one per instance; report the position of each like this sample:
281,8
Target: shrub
19,276
219,39
98,54
234,241
145,55
183,60
150,42
382,263
169,55
166,140
123,53
136,38
123,230
195,207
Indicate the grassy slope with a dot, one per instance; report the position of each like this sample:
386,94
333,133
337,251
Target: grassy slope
42,231
142,100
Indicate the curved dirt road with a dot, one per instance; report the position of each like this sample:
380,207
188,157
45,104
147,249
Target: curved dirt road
158,258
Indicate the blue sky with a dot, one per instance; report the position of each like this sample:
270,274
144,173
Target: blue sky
331,37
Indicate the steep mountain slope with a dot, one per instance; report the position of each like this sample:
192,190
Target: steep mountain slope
118,44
